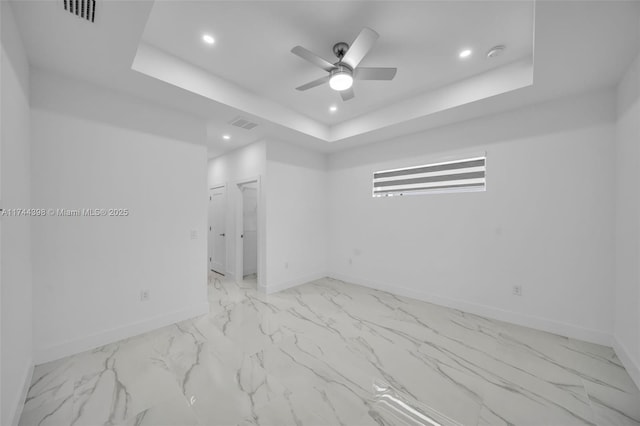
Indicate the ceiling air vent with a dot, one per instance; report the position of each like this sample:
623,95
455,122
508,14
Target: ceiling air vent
82,8
243,123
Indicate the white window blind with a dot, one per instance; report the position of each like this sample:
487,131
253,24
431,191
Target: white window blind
450,176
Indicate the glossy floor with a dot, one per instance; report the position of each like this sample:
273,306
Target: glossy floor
332,353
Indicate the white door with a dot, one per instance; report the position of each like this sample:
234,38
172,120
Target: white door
217,230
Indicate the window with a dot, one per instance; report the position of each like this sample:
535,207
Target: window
450,176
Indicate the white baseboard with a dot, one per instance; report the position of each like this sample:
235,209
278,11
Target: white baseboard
274,288
632,367
19,403
76,346
556,327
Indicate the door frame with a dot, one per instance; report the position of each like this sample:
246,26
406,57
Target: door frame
239,261
226,226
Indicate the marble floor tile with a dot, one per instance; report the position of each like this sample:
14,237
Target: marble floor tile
174,411
332,353
613,406
56,412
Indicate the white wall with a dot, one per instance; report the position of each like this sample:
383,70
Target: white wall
243,164
249,229
15,267
545,221
627,307
97,149
296,215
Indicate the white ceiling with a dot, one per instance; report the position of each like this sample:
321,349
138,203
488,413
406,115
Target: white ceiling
421,39
579,46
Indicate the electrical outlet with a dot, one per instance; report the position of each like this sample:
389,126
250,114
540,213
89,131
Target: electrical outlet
144,296
286,265
517,290
194,234
350,261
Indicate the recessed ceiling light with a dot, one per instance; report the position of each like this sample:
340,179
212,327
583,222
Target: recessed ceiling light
465,53
226,137
333,108
208,39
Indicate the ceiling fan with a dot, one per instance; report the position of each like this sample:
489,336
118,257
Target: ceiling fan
342,73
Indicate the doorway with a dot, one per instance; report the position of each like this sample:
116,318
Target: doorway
217,230
249,232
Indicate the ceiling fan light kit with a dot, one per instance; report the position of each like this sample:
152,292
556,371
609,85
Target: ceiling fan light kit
342,73
341,78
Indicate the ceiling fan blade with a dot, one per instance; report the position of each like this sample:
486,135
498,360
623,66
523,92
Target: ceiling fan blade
314,83
347,94
374,73
360,47
313,58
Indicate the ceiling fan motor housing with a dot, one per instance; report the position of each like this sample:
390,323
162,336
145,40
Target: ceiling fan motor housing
341,68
